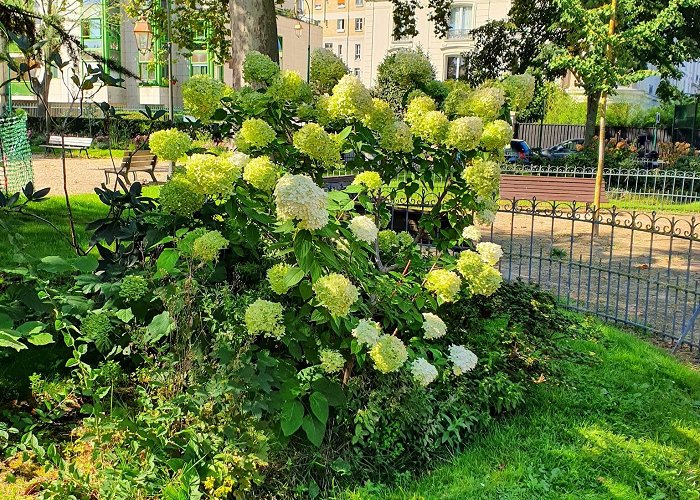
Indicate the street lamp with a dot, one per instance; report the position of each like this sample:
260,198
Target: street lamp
143,34
144,41
298,30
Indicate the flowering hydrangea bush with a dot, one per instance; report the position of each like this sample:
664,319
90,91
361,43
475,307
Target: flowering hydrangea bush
349,295
201,96
169,144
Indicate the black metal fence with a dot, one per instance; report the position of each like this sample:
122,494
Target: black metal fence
633,268
545,136
671,186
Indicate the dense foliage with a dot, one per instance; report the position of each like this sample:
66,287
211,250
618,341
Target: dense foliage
249,323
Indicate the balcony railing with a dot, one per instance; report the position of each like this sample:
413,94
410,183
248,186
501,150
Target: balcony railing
459,34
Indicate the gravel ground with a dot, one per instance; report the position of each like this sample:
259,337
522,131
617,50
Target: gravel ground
83,175
639,277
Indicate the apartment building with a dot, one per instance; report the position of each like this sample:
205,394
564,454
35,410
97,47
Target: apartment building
360,32
109,32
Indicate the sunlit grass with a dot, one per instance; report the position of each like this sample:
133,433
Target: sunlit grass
624,423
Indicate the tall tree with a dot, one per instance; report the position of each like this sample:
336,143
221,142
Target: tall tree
253,27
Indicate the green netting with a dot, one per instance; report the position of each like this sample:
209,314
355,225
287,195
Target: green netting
15,153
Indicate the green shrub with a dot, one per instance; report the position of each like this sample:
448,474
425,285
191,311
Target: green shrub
326,71
400,73
202,96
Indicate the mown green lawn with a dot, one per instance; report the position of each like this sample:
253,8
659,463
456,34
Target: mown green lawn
39,240
623,423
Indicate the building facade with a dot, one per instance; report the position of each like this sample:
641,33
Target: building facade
109,32
360,32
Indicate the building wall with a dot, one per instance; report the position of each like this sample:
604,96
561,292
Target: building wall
342,33
135,93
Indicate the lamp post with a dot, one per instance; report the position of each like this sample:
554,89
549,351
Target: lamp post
144,42
299,29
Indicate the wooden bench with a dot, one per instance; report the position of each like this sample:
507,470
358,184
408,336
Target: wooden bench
133,162
68,142
544,188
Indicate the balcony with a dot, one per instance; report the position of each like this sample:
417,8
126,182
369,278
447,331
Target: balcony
459,34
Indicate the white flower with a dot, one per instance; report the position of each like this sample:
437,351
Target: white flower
364,228
433,326
423,372
472,233
486,216
490,253
462,358
238,159
367,332
297,197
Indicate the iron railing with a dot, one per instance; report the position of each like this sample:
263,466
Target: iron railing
673,186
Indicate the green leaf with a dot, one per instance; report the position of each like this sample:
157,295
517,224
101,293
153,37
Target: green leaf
30,328
318,316
319,406
291,417
8,340
55,264
85,264
332,390
343,134
125,315
303,250
305,290
314,430
5,321
167,260
159,327
41,339
293,276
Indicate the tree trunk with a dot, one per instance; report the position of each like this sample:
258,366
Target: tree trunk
4,76
253,27
592,101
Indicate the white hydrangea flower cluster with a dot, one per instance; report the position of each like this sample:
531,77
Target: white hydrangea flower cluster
484,102
350,99
331,360
336,293
484,177
481,277
423,372
263,316
417,108
489,252
464,133
487,214
380,115
433,326
297,197
463,359
367,332
496,135
370,179
397,137
471,233
443,283
432,126
364,228
389,354
261,173
317,144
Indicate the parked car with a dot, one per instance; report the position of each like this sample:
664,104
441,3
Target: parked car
518,152
562,150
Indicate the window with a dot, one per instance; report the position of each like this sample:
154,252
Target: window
358,51
328,46
100,40
359,3
455,68
341,4
340,49
460,22
341,25
356,72
317,5
359,23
